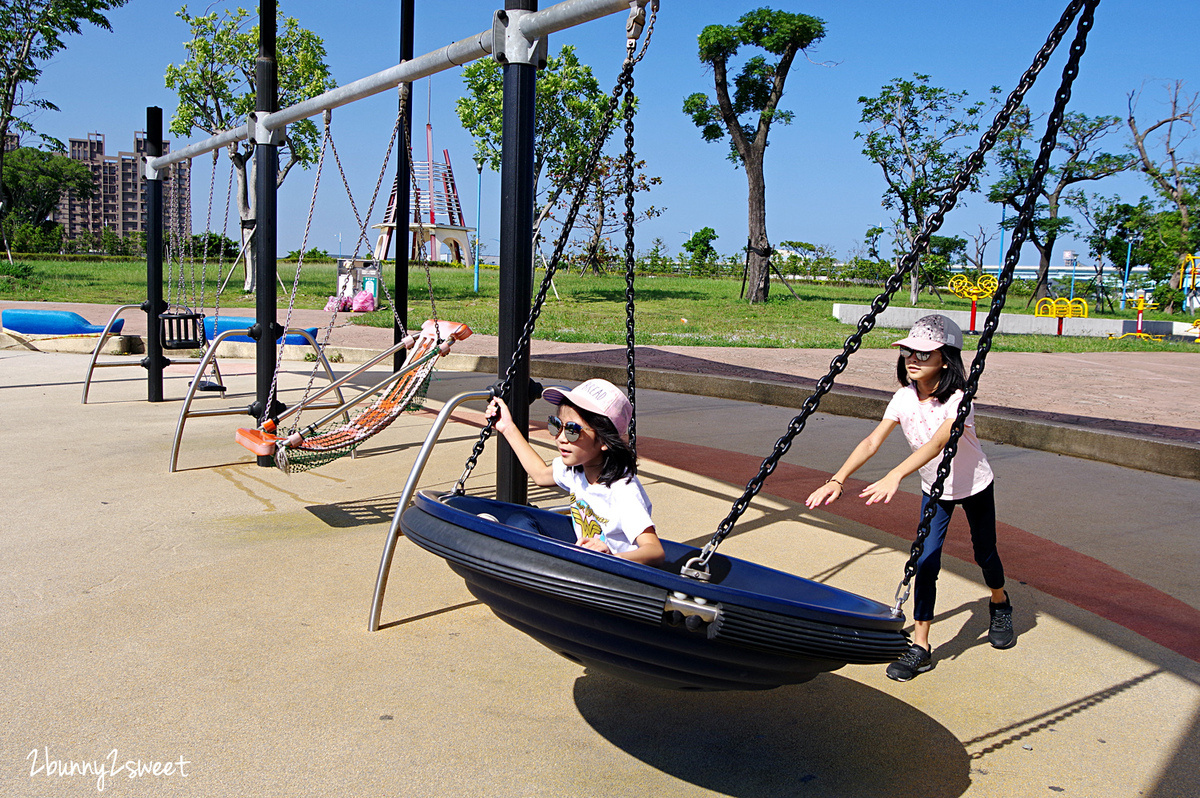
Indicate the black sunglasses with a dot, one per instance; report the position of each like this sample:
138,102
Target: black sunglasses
906,353
569,429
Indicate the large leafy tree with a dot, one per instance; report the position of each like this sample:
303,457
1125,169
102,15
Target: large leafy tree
216,88
1173,174
1080,158
746,115
570,110
919,135
31,33
35,180
1145,233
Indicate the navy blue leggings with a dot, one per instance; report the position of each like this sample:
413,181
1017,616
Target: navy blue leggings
981,517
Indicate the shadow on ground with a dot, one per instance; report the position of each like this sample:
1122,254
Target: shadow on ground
831,736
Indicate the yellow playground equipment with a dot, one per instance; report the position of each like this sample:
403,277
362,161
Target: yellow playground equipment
1067,309
1191,296
962,285
1140,304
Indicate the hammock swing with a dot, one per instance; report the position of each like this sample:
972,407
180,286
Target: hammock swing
323,441
706,621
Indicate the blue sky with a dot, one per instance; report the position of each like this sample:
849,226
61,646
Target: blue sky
820,188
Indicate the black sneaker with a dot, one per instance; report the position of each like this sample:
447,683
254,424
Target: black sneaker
915,660
1000,632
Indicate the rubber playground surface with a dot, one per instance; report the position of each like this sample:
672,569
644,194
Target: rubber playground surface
217,616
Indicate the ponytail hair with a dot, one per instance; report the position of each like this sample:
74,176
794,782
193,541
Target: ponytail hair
954,375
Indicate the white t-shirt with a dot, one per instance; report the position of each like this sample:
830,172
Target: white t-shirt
969,470
616,514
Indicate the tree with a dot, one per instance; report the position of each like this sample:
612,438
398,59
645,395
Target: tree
944,252
918,135
700,247
216,91
31,33
604,210
980,241
811,260
215,246
758,89
1082,159
570,109
1172,175
35,180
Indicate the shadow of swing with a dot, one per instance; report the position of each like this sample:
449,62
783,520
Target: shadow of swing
830,736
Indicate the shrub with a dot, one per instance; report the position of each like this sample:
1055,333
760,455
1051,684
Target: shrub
16,269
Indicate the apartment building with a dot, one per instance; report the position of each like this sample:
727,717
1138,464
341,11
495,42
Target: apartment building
119,203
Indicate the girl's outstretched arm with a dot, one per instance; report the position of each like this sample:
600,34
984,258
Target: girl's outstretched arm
538,469
886,488
865,450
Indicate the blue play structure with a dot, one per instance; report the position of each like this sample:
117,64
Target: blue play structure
30,321
214,327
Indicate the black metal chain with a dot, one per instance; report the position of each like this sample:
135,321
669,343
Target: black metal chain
932,224
504,389
422,253
1020,234
630,262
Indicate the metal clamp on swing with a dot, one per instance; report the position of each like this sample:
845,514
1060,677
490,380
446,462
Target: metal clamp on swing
695,572
693,612
509,44
637,19
902,592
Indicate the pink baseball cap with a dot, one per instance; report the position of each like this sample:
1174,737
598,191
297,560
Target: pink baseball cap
932,332
598,396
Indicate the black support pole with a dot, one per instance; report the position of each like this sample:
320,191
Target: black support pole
403,181
516,254
154,261
266,166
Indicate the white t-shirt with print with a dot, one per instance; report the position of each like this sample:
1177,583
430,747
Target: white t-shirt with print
616,514
969,470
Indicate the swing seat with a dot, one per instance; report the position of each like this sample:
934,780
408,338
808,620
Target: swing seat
258,441
182,329
748,628
296,451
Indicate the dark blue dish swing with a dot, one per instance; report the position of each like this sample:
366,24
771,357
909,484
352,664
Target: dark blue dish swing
747,628
704,621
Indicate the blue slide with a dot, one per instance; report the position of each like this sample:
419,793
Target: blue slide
51,322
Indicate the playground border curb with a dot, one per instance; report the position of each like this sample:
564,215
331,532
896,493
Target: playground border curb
1156,455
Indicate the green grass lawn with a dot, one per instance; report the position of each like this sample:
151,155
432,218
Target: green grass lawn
671,311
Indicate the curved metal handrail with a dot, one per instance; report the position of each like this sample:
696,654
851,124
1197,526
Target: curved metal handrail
410,486
185,412
104,336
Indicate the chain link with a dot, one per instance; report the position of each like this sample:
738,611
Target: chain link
630,262
504,389
287,322
422,253
212,182
970,166
1020,234
221,262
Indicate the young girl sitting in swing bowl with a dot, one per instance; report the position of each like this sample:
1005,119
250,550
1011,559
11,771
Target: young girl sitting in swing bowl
595,465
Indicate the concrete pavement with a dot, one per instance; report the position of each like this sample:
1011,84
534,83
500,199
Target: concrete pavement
218,616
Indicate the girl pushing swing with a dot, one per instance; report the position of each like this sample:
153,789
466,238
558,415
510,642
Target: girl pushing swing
932,378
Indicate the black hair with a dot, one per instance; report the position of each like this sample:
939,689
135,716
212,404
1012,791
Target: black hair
954,376
619,460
